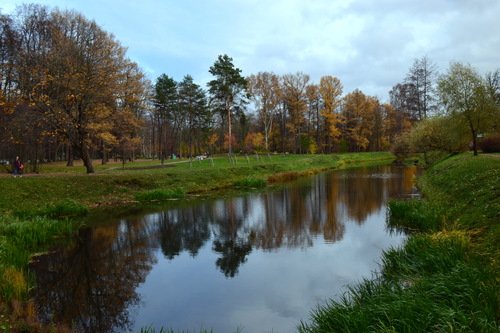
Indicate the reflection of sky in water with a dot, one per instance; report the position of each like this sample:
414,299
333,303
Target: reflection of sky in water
260,262
273,290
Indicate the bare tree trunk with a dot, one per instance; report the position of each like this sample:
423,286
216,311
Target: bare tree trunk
87,160
229,130
69,155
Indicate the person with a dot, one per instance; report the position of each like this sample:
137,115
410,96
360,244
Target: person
18,167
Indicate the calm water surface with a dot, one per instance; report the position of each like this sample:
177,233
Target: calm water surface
257,263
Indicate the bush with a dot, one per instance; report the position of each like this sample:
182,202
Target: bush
490,144
401,146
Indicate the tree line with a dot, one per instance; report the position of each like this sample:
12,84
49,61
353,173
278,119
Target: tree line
67,91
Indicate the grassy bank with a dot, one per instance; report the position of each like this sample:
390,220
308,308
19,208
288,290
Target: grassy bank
445,279
37,210
112,184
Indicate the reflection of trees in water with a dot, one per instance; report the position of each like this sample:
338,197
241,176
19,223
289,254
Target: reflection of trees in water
183,229
364,191
231,239
362,194
89,286
292,217
295,216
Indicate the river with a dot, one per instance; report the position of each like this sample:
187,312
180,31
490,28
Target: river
259,262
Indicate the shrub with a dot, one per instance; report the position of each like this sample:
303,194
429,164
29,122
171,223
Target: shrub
490,144
401,146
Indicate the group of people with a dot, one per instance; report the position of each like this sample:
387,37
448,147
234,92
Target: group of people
18,167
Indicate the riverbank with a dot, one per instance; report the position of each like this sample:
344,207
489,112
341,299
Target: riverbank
30,195
445,279
38,210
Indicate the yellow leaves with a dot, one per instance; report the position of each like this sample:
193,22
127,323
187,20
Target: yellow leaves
108,138
333,122
330,89
360,115
254,140
212,139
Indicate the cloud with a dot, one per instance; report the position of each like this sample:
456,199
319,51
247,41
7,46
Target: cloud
369,45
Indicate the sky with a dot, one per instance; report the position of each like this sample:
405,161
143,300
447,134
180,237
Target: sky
369,45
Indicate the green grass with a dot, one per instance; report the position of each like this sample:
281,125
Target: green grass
19,240
249,183
445,278
161,195
115,186
415,215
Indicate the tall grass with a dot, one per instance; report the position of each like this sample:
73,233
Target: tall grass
19,240
415,215
444,302
161,194
250,182
445,277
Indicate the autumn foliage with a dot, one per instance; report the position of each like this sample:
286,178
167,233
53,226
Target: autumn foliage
68,91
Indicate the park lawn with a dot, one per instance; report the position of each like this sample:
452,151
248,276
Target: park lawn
116,185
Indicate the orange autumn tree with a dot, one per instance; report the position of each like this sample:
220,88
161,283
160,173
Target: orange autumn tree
331,89
76,79
359,112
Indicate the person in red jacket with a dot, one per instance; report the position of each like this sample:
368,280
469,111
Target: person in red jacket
18,167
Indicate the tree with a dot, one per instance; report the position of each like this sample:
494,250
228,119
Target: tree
359,114
265,92
405,101
331,89
127,119
228,90
465,95
313,98
294,96
421,79
253,142
165,102
193,104
395,123
74,77
493,91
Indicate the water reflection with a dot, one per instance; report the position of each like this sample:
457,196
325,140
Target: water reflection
90,285
93,285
